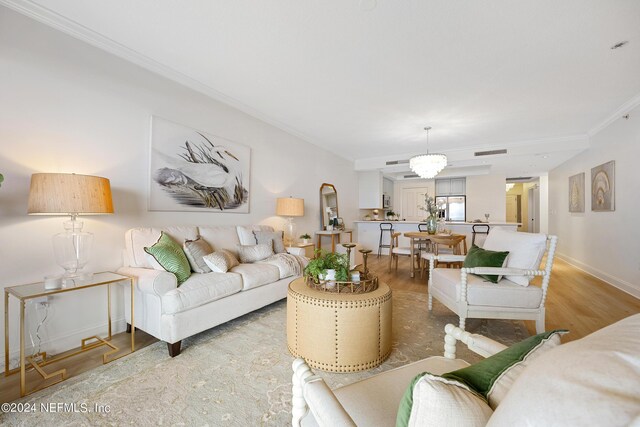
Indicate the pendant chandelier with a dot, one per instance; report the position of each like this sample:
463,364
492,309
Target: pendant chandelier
428,165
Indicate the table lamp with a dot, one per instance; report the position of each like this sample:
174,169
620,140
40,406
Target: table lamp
290,207
73,195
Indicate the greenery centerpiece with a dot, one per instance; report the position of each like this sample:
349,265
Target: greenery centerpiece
390,214
328,266
431,208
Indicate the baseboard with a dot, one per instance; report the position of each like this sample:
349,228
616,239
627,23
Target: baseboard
605,277
72,339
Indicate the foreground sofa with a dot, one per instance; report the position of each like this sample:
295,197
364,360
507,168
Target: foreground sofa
170,312
591,381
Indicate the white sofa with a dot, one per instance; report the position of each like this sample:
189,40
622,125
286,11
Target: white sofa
171,313
591,381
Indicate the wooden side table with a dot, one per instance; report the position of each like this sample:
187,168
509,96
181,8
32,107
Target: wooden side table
308,249
335,237
36,290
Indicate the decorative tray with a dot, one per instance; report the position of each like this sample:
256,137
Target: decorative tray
367,283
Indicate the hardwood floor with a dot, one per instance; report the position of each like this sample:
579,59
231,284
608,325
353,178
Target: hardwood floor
576,300
10,386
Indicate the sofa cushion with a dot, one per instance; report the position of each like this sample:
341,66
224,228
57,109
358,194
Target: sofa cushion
254,253
493,377
222,237
254,275
169,256
431,400
136,239
220,261
200,289
480,292
592,381
195,250
478,257
525,250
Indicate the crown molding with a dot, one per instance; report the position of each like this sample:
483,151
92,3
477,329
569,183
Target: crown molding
82,33
618,113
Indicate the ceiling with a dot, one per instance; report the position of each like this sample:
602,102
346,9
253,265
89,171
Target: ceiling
362,78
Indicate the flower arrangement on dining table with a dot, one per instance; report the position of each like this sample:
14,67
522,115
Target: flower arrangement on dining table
429,206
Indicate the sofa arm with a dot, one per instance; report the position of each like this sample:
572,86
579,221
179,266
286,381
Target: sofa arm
296,251
311,392
151,281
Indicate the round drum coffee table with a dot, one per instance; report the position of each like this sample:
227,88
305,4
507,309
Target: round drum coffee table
339,332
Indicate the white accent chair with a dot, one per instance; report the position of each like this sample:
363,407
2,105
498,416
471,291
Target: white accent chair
471,296
374,401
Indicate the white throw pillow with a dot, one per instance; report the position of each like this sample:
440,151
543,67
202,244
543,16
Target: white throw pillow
220,261
445,403
195,250
253,253
593,381
525,250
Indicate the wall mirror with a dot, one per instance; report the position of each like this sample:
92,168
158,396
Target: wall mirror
328,204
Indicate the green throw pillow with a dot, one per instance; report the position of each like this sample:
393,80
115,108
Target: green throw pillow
171,257
498,370
491,377
478,257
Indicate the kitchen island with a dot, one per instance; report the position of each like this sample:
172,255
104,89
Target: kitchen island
369,231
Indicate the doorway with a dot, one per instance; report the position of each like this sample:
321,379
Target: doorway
523,203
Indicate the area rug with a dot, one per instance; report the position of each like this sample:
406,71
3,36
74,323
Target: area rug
237,374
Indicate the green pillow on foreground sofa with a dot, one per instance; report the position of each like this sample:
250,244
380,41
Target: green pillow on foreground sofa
591,381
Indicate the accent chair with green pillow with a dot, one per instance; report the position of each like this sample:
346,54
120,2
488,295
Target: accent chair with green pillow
468,295
168,255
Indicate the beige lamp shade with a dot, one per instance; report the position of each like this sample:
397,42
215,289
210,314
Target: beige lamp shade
69,194
288,206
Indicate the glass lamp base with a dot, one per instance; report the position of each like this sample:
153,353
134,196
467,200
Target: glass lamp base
290,232
72,249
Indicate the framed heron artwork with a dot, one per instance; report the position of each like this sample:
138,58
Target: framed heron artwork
196,171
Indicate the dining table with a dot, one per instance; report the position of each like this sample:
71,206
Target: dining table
422,236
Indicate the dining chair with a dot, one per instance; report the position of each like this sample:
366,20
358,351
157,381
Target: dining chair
454,244
397,251
423,244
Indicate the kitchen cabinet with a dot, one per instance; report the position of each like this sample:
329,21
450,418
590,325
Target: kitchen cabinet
451,187
370,189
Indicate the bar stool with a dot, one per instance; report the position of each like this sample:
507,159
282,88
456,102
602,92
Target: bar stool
482,229
423,244
385,227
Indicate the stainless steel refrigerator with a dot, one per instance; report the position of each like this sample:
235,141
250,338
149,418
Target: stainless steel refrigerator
453,208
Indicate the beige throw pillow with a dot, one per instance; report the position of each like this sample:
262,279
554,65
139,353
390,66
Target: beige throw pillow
195,250
264,237
220,261
254,253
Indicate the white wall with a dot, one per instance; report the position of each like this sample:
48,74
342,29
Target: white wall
605,244
68,107
487,194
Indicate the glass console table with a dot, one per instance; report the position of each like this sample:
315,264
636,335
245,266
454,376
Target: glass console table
23,293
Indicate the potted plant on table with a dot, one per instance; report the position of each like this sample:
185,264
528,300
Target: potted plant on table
391,215
328,266
306,238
